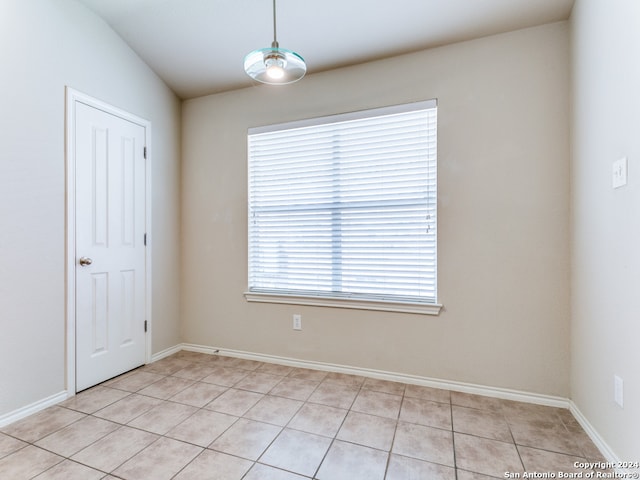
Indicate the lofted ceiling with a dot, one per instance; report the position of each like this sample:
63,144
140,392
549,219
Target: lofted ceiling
198,46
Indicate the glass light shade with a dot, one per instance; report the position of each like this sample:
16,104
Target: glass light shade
276,66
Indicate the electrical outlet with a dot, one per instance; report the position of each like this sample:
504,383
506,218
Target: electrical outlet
297,321
618,390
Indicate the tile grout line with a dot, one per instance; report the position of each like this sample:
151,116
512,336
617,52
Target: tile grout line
333,439
395,432
453,439
170,373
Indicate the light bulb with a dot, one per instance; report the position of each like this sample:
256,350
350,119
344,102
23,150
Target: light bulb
275,64
275,71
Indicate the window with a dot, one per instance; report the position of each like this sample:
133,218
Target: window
342,210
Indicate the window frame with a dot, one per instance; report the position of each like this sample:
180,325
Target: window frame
343,300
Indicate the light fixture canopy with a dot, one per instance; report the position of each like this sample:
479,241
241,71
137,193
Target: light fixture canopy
275,65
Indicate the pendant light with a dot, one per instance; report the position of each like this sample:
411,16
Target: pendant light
275,65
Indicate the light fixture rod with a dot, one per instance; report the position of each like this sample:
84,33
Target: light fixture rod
275,41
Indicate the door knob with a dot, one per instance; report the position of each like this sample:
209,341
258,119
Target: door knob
85,261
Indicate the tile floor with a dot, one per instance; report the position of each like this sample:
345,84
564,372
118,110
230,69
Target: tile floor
195,416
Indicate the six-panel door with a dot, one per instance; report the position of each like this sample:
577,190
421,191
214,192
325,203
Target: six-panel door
110,250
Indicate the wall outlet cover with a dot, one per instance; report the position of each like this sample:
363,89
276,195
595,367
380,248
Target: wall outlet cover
297,322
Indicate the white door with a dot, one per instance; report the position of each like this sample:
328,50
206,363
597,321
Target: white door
110,245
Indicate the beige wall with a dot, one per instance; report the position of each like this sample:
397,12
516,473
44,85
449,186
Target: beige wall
503,217
606,222
44,46
503,214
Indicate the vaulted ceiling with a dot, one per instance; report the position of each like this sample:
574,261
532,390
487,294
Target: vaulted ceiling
198,46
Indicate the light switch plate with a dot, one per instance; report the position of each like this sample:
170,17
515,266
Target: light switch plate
618,391
619,173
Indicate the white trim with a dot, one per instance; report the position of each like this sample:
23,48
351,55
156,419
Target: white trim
35,407
599,442
72,97
338,302
502,393
347,116
149,238
166,352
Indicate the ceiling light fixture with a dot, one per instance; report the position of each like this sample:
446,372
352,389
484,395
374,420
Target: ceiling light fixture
275,65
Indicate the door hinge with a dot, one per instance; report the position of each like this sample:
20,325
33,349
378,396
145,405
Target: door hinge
145,326
145,239
144,152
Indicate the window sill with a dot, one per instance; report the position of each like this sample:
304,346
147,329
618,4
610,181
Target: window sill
336,302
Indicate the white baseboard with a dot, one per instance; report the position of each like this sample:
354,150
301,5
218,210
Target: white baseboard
35,407
166,352
503,393
599,442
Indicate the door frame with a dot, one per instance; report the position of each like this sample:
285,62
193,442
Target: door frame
73,97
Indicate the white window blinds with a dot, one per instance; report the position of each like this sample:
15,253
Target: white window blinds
345,206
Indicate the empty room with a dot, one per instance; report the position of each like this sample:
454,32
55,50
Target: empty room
289,240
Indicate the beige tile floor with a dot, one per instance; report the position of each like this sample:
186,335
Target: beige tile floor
195,416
